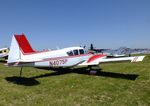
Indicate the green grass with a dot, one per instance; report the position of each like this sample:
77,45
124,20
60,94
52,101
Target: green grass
118,84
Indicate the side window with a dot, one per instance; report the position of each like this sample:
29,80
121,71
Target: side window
70,53
81,51
75,52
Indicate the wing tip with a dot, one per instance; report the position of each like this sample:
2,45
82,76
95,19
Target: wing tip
138,58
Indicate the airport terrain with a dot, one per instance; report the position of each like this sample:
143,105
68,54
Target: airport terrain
117,84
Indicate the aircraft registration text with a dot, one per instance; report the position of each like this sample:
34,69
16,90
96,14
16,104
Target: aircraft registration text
57,62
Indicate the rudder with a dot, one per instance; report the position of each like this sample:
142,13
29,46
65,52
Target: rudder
19,47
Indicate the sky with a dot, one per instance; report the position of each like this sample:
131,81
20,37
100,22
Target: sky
64,23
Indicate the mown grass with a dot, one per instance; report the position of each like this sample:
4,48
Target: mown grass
118,84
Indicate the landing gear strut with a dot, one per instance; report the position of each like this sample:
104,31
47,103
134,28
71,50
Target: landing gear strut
21,71
93,69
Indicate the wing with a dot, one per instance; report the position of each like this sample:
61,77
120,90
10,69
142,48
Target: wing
3,55
105,60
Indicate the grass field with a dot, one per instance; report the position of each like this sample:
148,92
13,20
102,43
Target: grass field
118,84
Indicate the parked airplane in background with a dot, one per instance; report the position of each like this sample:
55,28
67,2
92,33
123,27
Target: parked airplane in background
94,50
21,54
109,52
4,53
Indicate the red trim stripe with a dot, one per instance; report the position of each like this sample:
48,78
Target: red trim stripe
95,57
57,58
64,57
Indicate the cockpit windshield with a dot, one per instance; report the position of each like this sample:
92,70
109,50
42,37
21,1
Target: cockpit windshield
81,51
70,53
76,52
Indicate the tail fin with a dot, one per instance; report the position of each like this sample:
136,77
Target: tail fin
19,46
24,44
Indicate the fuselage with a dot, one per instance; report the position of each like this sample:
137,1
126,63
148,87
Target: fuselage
66,57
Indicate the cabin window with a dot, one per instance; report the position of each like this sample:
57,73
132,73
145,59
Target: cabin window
75,52
70,53
81,51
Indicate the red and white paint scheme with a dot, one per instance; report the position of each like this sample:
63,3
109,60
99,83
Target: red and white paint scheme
21,54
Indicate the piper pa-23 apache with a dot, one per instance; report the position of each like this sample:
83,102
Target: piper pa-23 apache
21,54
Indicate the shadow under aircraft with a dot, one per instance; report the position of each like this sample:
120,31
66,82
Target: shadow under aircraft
31,81
86,71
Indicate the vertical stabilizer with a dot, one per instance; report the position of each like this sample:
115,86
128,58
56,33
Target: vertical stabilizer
20,46
14,53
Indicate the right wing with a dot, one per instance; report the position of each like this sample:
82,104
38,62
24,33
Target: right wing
105,60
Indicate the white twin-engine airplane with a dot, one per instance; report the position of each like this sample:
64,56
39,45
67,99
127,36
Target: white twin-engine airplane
21,54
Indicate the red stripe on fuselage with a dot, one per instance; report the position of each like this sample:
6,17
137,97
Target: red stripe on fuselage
65,57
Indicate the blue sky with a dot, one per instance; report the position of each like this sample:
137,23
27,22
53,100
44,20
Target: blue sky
63,23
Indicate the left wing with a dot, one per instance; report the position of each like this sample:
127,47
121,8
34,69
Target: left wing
3,55
4,52
105,60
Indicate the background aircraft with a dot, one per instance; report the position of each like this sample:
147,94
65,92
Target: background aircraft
21,54
92,49
4,53
121,52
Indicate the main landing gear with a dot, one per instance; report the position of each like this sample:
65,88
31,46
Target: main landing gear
93,70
